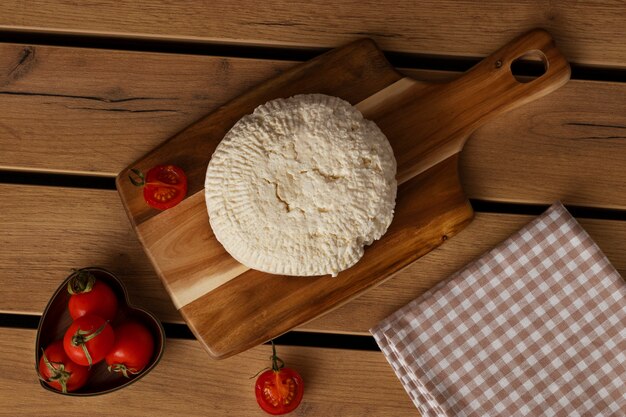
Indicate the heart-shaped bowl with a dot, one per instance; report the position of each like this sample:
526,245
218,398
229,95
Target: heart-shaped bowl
56,319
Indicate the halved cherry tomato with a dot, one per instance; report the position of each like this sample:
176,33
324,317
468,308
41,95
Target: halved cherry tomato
132,349
88,340
164,186
90,297
279,390
58,371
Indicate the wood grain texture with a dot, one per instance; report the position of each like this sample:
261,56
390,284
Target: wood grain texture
52,230
484,233
186,383
256,307
353,73
589,33
227,320
562,149
190,273
100,107
426,124
52,233
97,106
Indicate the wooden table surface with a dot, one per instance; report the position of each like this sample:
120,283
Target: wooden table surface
85,89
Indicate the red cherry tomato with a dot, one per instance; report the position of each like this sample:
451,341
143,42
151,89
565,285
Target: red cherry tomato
279,390
132,349
164,186
88,340
90,297
59,372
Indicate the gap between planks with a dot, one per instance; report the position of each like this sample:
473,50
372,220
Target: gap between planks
187,382
277,52
587,32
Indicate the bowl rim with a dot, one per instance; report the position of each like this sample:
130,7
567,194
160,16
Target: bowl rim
62,287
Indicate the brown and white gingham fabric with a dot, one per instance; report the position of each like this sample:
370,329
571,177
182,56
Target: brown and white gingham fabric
535,327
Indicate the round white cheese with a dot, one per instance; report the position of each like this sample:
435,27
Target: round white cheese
300,186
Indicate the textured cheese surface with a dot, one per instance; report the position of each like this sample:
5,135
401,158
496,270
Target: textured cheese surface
299,186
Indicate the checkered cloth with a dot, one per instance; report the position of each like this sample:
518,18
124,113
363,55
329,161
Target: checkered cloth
535,327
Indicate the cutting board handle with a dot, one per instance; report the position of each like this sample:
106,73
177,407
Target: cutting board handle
495,82
443,116
497,66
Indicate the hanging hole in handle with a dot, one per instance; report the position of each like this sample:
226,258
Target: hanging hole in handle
529,66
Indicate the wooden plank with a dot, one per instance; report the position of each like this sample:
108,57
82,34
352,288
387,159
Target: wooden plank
569,146
51,230
104,109
112,107
587,32
186,382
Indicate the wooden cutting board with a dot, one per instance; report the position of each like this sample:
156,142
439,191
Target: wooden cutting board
231,308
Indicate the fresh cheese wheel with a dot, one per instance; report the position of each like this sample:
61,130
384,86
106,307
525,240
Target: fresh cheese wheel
300,186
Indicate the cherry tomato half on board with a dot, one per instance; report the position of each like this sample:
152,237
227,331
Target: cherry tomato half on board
88,340
164,186
279,390
132,349
59,372
90,297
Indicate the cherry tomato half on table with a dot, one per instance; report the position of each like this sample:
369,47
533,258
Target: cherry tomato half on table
132,349
164,186
59,372
88,340
90,297
279,390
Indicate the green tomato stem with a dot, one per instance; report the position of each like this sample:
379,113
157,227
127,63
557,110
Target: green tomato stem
81,337
82,282
123,369
59,374
141,181
277,363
